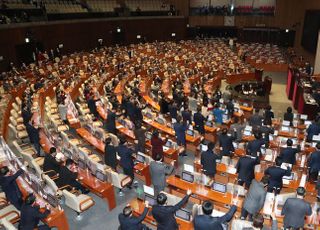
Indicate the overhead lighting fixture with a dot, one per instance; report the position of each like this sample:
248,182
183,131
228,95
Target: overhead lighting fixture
118,30
173,34
27,40
188,25
1,58
100,40
138,36
287,30
60,46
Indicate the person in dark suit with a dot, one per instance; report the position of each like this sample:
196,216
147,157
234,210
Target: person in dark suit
129,222
295,210
92,106
164,215
225,142
288,154
208,160
140,135
9,186
110,154
126,159
268,116
275,174
255,198
288,116
173,110
50,163
110,122
199,121
186,115
180,129
236,129
256,119
230,108
266,130
31,215
314,163
254,147
206,221
164,105
245,169
68,177
313,129
34,136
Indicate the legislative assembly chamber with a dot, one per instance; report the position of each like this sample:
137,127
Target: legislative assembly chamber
159,114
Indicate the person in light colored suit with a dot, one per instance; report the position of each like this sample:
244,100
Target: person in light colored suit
158,172
255,198
257,223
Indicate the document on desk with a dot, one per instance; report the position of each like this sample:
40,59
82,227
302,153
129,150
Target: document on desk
231,170
268,203
268,157
303,180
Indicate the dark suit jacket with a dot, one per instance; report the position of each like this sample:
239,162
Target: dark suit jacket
208,162
33,133
245,168
30,217
268,115
50,163
255,197
276,174
10,188
204,222
199,120
288,155
314,161
312,130
110,156
180,130
255,120
288,117
125,154
157,146
186,115
66,177
226,143
110,123
132,223
164,215
294,211
254,146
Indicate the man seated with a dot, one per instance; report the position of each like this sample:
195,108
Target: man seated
68,176
50,164
129,222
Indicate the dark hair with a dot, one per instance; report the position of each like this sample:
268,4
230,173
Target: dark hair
268,107
30,199
301,191
107,141
69,162
127,211
224,130
207,207
289,110
161,198
122,139
211,145
318,145
258,135
256,110
235,119
155,133
289,142
278,161
53,150
258,221
4,170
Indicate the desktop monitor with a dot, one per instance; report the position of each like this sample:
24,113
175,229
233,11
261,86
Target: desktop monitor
190,132
183,214
304,117
35,186
81,164
247,133
249,128
209,123
188,168
52,200
67,153
286,123
187,176
203,147
316,138
148,190
101,176
140,158
291,177
149,115
152,201
160,121
148,135
219,187
285,129
173,120
169,144
307,123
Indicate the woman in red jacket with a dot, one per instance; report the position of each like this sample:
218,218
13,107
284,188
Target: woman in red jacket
157,144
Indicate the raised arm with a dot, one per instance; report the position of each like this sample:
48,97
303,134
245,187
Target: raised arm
228,216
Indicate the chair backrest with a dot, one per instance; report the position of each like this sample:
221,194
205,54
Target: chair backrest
14,130
13,121
19,150
14,113
36,168
117,179
71,200
50,183
16,107
18,100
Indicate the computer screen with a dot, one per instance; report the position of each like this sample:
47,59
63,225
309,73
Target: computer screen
140,158
307,123
149,115
303,117
81,164
101,176
35,186
67,153
286,123
148,136
203,147
152,201
183,214
247,133
219,187
160,121
190,132
52,200
148,190
285,129
289,177
187,177
188,168
208,123
169,144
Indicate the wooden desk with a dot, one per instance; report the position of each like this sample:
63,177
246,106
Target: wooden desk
138,208
102,189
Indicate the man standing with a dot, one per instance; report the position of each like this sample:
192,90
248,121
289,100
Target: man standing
314,163
129,222
199,121
164,215
158,172
255,198
180,131
9,186
245,169
208,161
295,210
225,142
126,159
288,154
